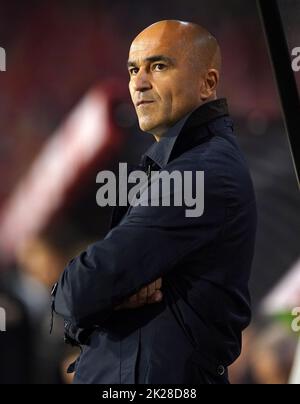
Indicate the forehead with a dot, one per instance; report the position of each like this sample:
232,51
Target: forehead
147,45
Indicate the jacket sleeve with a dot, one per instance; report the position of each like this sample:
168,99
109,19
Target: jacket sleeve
146,244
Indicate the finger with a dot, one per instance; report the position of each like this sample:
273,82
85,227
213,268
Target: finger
148,294
158,283
156,297
132,299
142,295
128,305
125,305
151,289
134,305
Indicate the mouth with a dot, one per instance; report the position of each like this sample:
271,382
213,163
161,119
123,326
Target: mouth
139,103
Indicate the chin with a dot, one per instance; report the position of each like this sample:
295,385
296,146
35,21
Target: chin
147,126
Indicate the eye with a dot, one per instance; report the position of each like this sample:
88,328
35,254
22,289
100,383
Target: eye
133,71
158,67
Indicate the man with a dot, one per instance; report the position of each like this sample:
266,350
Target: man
192,331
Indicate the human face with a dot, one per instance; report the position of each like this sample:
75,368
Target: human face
164,85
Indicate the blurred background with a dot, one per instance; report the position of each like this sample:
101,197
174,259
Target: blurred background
65,114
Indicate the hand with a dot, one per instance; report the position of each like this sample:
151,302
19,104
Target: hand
147,295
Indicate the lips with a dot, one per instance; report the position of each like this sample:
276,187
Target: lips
143,102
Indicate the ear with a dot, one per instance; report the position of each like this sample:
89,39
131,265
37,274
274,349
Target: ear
209,84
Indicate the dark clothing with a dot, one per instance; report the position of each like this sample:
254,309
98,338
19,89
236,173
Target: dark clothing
195,332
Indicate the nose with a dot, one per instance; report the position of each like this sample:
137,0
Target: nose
141,81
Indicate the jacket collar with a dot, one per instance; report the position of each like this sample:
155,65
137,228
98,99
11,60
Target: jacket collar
180,137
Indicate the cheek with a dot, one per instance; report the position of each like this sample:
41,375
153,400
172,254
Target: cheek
164,97
172,89
130,90
185,93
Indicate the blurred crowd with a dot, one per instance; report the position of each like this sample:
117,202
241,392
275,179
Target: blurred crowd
29,353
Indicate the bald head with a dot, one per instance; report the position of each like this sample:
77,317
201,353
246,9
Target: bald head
174,67
198,45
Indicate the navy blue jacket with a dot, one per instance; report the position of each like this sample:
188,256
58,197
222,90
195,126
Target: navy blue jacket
194,334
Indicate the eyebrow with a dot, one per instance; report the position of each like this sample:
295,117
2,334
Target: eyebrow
152,59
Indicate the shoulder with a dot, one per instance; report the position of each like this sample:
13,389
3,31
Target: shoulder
225,168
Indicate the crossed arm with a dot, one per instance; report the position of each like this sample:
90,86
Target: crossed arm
131,260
